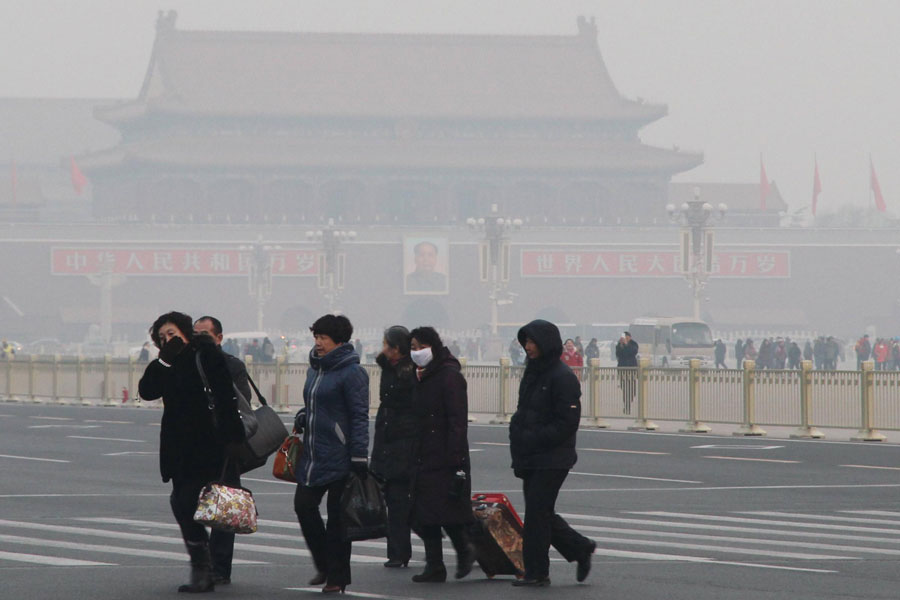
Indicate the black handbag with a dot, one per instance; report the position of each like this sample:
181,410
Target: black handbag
248,416
363,510
269,436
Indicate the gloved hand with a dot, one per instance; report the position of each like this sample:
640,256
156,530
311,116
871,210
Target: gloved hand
300,420
360,467
170,350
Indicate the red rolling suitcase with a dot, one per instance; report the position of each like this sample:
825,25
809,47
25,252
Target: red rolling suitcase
498,536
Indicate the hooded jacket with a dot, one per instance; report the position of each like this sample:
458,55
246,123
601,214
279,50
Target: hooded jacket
543,429
336,399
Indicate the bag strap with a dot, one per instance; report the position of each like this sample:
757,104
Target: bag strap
262,399
210,398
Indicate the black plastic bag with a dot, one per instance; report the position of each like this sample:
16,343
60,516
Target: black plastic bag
363,511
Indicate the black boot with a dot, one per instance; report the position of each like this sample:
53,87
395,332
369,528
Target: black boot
465,559
201,569
433,573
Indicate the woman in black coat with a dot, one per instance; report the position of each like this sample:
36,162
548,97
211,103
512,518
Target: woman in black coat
193,436
396,432
441,486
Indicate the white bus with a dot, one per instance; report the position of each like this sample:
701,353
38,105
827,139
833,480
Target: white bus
673,341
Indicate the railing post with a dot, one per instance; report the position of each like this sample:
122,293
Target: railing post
504,414
55,393
806,430
79,379
594,386
132,384
642,422
9,377
277,404
749,379
867,432
106,392
694,425
31,397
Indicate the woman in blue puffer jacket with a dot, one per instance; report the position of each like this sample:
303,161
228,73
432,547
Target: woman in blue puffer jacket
335,425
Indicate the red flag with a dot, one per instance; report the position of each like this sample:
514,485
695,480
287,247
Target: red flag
817,188
764,185
14,180
78,178
876,188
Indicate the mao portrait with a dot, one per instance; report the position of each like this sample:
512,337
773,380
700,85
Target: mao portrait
425,265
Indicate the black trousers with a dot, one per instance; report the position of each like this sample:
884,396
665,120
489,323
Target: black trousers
434,549
183,501
330,553
396,496
543,527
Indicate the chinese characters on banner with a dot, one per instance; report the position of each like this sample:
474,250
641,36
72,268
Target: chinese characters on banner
177,261
641,263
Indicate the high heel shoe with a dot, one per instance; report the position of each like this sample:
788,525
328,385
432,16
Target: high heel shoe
319,579
333,589
396,563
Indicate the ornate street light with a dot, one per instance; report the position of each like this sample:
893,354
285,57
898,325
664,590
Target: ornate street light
494,263
259,275
331,261
696,241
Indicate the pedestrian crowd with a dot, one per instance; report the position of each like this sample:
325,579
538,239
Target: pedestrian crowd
420,456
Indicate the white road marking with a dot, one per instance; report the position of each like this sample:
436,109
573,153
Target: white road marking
154,453
55,460
105,439
871,467
492,443
51,560
879,530
123,550
622,451
351,593
52,418
878,513
742,530
748,540
278,481
111,422
633,477
790,515
64,426
729,549
770,460
737,447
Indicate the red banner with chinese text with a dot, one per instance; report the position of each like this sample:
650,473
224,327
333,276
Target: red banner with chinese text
178,261
642,263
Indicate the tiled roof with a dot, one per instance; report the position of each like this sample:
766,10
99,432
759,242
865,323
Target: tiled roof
380,75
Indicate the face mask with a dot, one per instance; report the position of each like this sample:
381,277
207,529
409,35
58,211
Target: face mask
421,357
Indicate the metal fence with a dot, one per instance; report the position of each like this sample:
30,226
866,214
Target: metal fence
865,400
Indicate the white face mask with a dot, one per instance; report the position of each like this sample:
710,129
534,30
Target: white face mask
421,357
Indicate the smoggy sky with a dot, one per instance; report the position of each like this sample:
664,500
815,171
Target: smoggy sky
783,78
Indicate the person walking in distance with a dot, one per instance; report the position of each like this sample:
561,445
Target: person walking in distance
720,354
542,436
626,361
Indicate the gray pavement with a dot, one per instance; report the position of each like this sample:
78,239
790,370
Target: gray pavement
83,514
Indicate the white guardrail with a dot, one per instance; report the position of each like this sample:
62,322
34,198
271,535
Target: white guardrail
865,400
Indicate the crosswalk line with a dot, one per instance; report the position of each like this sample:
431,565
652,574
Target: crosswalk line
790,515
743,540
725,549
723,518
881,513
54,561
747,530
121,550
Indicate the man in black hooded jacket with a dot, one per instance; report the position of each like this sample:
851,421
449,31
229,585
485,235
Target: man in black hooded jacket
542,443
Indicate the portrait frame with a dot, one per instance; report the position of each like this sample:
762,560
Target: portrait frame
426,265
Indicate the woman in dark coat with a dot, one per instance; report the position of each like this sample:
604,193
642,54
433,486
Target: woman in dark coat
396,432
335,425
441,487
193,437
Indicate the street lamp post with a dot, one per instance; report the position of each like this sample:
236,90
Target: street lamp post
331,260
259,276
494,264
696,241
